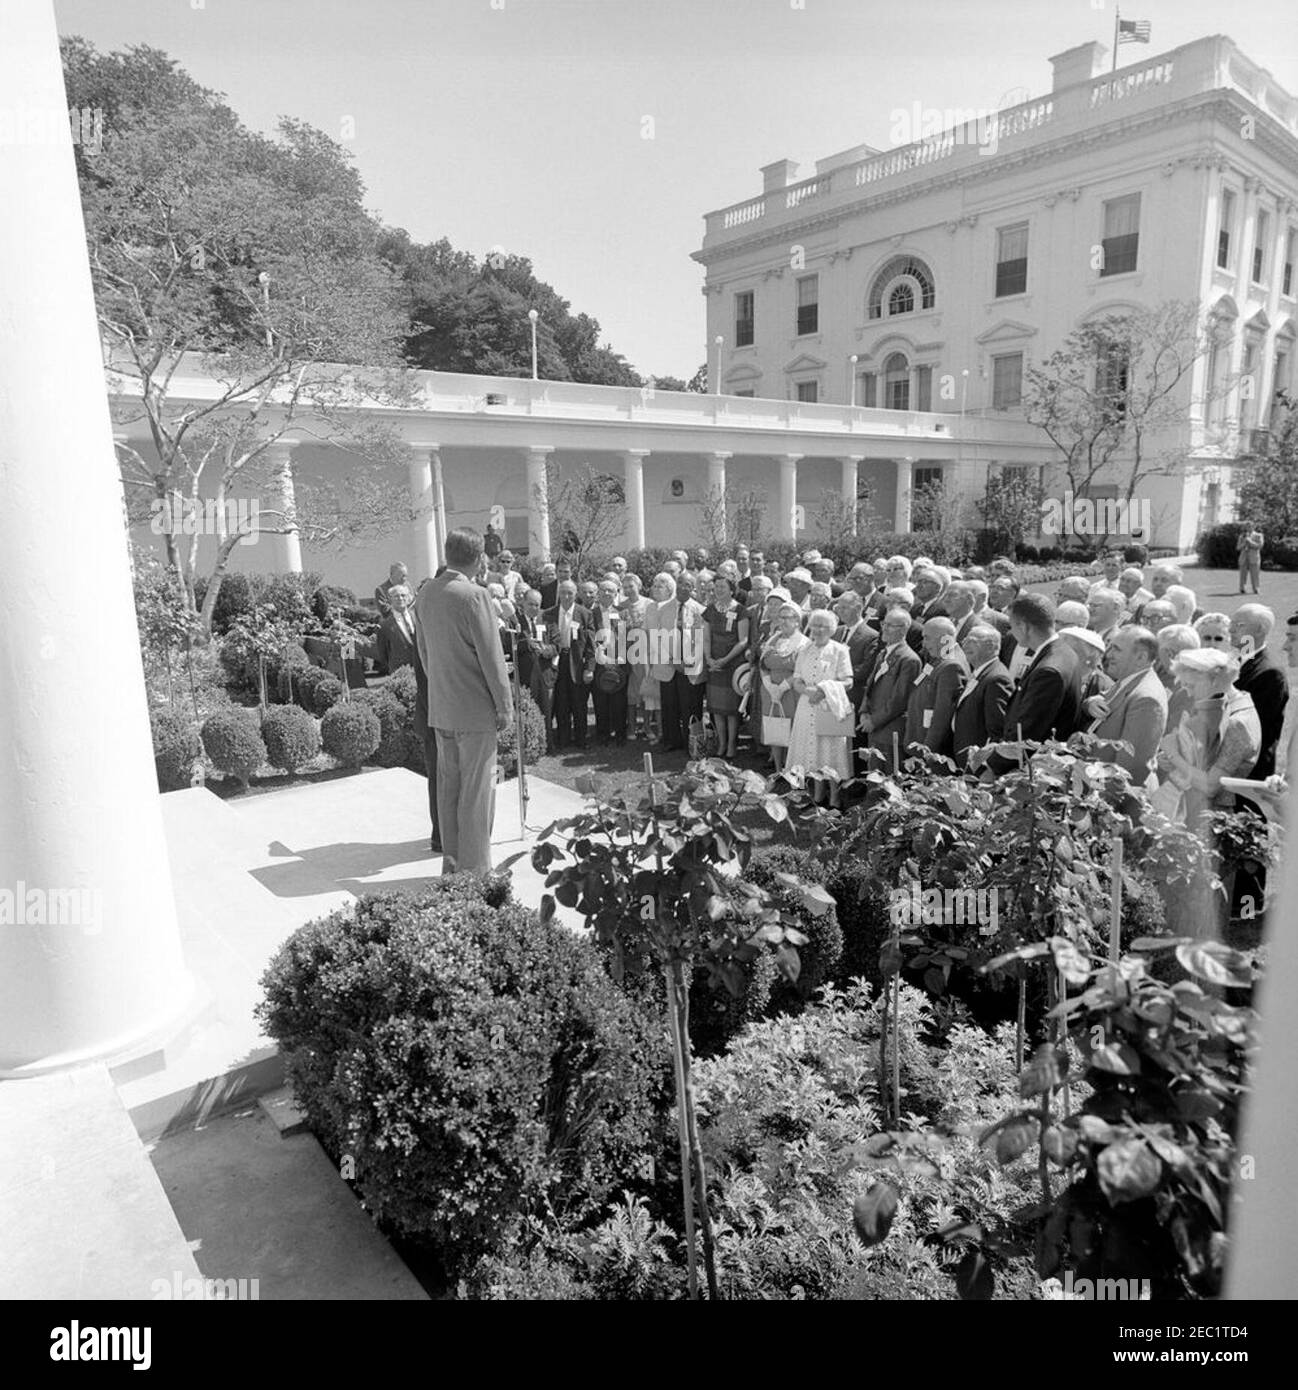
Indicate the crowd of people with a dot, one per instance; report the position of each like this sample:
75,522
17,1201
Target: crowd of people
829,676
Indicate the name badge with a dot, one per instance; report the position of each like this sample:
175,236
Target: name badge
928,718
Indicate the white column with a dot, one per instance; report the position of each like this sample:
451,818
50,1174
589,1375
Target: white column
905,485
785,523
439,501
423,529
285,546
850,464
716,491
79,806
633,486
538,503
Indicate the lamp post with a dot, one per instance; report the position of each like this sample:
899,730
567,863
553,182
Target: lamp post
718,340
854,359
964,391
532,318
264,281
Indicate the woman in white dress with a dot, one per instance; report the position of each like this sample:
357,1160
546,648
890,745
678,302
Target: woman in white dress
822,676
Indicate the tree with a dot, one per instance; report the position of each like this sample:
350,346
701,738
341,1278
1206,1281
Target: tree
732,516
839,521
587,511
1011,509
1117,384
1268,492
249,261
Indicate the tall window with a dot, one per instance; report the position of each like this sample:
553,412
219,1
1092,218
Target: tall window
1121,234
1212,387
1286,284
923,388
807,391
808,304
1259,247
1248,388
896,382
928,478
901,300
1012,260
867,389
1223,227
744,318
1111,378
1279,383
1007,380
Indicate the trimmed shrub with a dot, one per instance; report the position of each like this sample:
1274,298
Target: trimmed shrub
234,600
394,726
350,732
1216,546
232,740
291,737
403,687
863,920
474,1062
329,596
533,738
176,747
291,661
324,694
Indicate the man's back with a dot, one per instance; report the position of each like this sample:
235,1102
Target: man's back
468,684
1262,678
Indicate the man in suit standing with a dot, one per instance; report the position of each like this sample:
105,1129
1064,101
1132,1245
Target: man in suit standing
538,659
883,710
980,708
469,701
572,631
929,583
610,664
1135,709
1048,700
1261,677
861,641
397,574
1107,608
930,709
689,683
396,640
549,589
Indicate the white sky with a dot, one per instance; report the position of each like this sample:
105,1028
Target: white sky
520,123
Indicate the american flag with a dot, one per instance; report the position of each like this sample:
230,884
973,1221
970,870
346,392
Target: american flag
1133,31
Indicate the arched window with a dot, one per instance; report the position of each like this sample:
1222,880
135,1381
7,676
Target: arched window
896,382
902,298
904,284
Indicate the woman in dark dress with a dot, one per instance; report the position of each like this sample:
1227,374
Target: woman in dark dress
727,629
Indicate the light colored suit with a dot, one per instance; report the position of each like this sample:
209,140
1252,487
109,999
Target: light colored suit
1138,716
468,688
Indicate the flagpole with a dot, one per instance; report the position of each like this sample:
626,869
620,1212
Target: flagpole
1117,22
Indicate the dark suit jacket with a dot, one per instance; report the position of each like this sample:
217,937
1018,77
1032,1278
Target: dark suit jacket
549,592
887,695
980,717
1262,678
396,646
931,707
1047,703
862,648
581,654
459,644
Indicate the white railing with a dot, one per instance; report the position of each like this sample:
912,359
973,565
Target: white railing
745,213
818,187
1130,83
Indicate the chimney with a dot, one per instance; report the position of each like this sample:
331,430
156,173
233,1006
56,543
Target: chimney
778,175
1078,64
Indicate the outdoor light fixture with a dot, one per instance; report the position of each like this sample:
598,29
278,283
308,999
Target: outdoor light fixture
533,316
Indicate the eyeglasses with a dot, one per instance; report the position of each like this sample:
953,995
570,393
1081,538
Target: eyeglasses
1211,637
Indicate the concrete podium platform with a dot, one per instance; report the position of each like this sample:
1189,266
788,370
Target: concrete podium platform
248,873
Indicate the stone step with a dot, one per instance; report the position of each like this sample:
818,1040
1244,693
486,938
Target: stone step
82,1212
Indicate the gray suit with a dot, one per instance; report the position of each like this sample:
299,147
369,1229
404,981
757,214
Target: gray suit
468,688
1138,716
887,694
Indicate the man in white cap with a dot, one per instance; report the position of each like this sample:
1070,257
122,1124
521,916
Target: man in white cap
1089,648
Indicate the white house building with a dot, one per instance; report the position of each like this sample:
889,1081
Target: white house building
875,322
929,276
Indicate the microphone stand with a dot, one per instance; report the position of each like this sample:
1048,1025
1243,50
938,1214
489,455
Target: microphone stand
518,734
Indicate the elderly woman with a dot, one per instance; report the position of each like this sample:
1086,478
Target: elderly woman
726,628
779,656
634,608
822,677
1172,641
1214,630
1219,736
660,627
